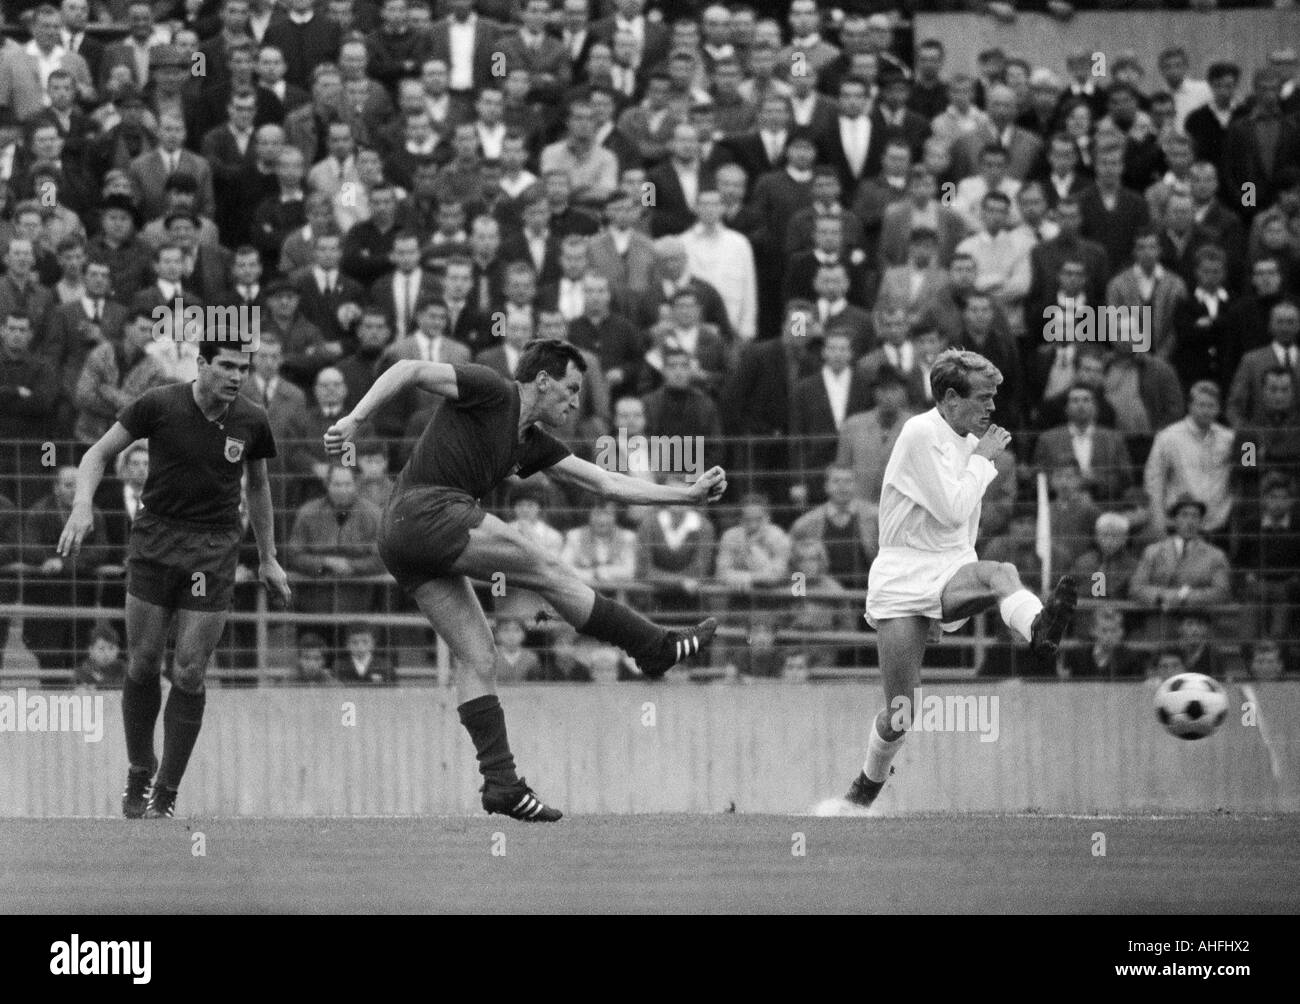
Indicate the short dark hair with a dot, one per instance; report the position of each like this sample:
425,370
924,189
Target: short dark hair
548,355
210,348
1218,71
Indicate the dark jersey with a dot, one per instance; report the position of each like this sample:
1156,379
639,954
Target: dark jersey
472,443
194,463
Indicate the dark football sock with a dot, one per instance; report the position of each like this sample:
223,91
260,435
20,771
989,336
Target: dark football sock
140,703
622,626
485,721
182,719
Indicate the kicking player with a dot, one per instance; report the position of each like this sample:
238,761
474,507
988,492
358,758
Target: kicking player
182,554
435,536
926,575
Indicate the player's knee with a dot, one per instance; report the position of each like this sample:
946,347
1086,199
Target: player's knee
188,675
144,664
1004,577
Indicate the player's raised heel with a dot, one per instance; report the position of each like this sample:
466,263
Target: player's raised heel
135,799
679,646
1049,626
864,790
162,805
518,801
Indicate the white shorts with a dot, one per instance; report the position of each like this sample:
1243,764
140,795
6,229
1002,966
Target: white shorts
906,582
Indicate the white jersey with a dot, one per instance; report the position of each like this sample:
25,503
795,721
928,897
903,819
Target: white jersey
933,487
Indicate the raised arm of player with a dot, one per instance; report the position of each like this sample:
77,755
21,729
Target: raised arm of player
709,487
90,472
261,516
436,378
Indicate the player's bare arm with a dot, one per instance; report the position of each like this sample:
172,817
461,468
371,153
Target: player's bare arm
436,378
709,487
90,472
260,515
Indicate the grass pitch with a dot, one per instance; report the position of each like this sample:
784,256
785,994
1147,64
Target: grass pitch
671,863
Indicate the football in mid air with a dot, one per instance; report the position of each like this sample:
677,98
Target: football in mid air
1191,705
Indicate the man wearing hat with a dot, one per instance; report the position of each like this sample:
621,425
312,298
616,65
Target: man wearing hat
302,343
117,244
1182,572
181,192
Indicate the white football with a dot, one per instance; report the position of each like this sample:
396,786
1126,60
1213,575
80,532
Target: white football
1191,705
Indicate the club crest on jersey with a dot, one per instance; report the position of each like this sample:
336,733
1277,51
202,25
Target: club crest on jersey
234,449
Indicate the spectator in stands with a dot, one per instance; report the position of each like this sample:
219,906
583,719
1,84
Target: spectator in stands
312,664
1267,662
334,541
1143,392
918,285
103,667
359,662
1110,564
602,552
1183,571
1107,657
979,334
54,581
756,552
1201,333
1193,457
363,364
845,526
302,345
1266,557
1100,453
822,403
1246,398
1270,441
686,332
29,397
376,486
1147,286
304,452
514,663
817,607
117,243
1200,655
678,408
1072,511
1260,144
675,554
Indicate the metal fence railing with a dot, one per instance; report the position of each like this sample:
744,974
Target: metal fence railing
785,624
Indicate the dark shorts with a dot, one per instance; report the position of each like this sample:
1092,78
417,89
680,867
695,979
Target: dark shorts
425,530
182,566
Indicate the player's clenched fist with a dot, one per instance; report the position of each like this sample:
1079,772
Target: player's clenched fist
993,442
339,434
710,486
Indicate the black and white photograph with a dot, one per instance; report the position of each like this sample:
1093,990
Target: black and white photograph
650,457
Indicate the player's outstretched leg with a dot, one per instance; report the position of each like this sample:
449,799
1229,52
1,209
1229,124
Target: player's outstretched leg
146,631
979,585
454,611
902,648
497,548
197,634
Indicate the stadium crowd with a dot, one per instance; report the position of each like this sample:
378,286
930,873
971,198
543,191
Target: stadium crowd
759,230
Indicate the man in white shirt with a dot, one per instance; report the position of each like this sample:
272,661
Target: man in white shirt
1188,94
724,258
927,575
1001,257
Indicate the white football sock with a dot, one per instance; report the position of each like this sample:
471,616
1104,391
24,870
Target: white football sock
1019,610
880,753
